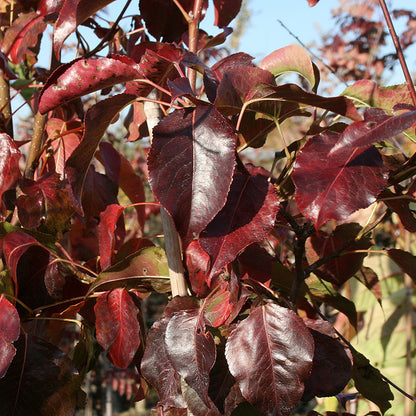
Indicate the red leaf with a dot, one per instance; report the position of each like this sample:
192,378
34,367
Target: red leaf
261,356
236,83
22,35
83,76
217,306
247,217
341,183
106,233
340,269
118,329
225,11
312,2
9,168
65,145
9,332
119,169
158,370
332,362
197,264
405,260
191,349
191,163
73,13
377,126
97,119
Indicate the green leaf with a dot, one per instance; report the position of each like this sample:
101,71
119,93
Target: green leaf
292,58
145,270
369,382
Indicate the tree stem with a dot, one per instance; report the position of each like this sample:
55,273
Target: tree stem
172,242
399,50
5,105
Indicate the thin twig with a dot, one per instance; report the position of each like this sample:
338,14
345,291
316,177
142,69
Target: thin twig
399,51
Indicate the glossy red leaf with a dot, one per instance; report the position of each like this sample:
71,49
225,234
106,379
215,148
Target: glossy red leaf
9,168
405,260
191,349
332,362
164,20
31,206
9,332
339,269
247,217
313,2
120,170
71,14
333,187
226,11
97,119
83,76
270,355
157,368
41,381
191,163
376,127
291,92
106,233
22,35
118,328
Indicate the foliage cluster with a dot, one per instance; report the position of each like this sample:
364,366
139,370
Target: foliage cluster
256,260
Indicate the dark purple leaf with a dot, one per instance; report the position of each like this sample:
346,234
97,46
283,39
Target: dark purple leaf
270,355
370,280
9,332
180,87
291,92
231,62
118,329
342,183
15,244
41,381
71,14
377,126
405,260
194,403
22,35
140,270
5,68
31,206
164,20
400,204
9,168
257,263
83,76
191,349
236,83
158,370
332,362
247,217
191,163
97,119
339,269
226,11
